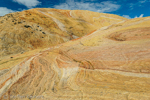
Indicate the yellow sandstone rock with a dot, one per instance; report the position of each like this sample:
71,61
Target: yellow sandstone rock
42,28
110,60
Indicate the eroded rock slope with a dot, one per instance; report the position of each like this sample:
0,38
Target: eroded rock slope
41,28
110,63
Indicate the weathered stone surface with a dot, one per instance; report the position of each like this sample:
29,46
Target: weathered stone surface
110,63
42,28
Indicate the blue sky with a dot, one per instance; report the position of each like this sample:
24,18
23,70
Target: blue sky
125,8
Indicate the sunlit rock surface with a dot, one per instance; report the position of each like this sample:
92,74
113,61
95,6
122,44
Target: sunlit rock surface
110,62
42,28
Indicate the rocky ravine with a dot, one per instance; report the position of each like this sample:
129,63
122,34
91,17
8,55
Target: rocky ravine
111,63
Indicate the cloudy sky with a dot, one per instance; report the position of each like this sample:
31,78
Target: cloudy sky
125,8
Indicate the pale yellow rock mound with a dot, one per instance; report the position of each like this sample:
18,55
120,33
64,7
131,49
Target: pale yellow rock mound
110,63
43,27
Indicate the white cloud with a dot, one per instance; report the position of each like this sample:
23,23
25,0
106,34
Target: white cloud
106,6
4,10
139,3
28,3
143,1
127,16
139,16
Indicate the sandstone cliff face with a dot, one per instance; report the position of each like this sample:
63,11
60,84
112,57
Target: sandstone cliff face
110,63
